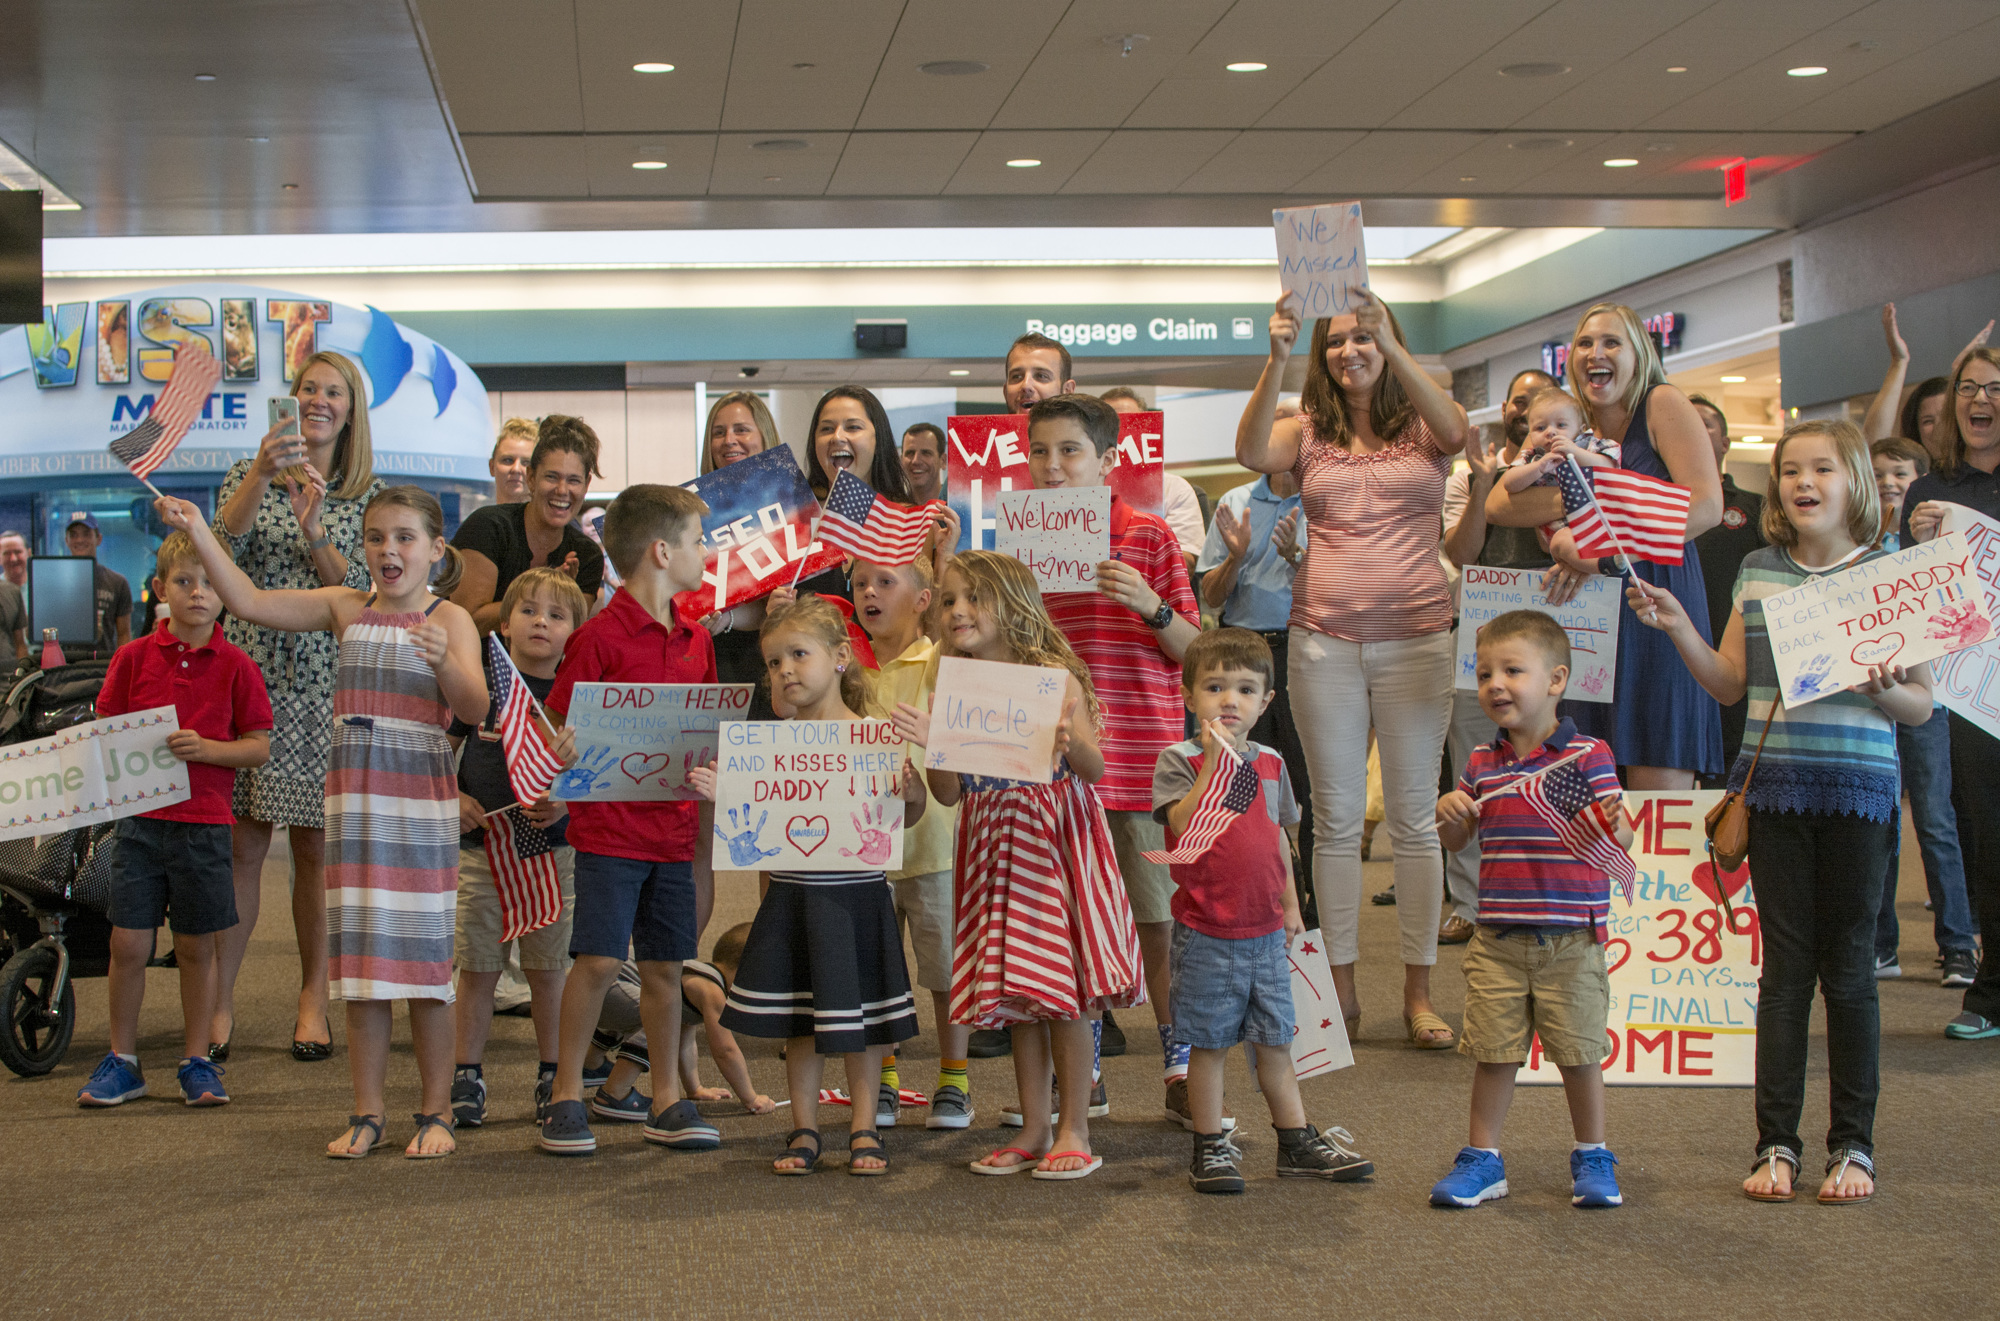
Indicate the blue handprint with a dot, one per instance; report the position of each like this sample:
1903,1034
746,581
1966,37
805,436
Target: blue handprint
581,779
743,850
1812,680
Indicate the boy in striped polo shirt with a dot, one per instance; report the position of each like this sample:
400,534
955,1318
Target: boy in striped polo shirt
1536,963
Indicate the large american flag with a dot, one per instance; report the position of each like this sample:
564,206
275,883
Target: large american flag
871,528
1562,797
531,767
1619,512
523,860
1230,792
145,447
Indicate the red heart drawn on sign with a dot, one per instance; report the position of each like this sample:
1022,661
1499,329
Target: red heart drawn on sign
639,765
806,836
1877,651
1704,881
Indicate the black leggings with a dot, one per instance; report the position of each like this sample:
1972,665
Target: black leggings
1975,765
1818,882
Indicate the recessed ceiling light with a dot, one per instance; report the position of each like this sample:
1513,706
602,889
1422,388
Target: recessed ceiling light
256,139
1677,68
773,178
649,165
291,188
1620,163
1807,71
1468,178
959,371
952,68
1734,380
805,64
1750,440
652,66
204,77
781,144
1246,66
1023,163
1533,70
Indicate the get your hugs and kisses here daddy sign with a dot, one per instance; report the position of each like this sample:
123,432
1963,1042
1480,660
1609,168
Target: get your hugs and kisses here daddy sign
809,795
636,742
1321,256
1062,535
1901,609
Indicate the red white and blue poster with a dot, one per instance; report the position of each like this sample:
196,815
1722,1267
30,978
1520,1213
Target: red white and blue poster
761,516
987,453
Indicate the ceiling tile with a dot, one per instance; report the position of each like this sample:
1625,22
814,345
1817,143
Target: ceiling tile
1383,162
841,45
1267,160
1679,165
695,36
1146,160
898,164
985,168
508,66
1957,64
1202,94
743,168
1503,161
1078,79
609,158
551,166
1003,37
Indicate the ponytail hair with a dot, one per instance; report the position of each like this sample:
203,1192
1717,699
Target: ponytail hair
425,506
817,618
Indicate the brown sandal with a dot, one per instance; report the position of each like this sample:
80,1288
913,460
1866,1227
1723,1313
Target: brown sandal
1426,1021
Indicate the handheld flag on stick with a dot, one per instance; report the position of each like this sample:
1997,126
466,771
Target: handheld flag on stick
523,861
1563,798
145,447
1622,510
531,767
1231,791
871,528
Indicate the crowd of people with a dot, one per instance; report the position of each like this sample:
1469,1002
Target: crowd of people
1313,617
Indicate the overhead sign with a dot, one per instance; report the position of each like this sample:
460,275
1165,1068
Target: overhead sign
987,453
92,371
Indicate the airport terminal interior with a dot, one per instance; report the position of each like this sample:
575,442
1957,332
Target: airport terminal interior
658,215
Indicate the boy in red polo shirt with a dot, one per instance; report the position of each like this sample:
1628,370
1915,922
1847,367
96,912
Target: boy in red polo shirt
1131,632
635,881
173,863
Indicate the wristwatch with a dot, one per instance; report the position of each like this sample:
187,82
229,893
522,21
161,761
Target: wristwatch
1160,618
320,542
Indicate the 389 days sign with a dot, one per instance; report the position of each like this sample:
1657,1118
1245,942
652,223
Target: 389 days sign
809,795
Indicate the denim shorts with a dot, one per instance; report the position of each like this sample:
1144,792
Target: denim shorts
626,903
180,869
1226,991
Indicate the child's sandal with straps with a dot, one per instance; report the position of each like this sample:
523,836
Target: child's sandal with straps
1771,1156
793,1151
878,1151
1836,1166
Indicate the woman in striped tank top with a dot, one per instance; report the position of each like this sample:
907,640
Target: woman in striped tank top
823,967
409,661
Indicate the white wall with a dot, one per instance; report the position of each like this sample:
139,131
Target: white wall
1936,237
643,435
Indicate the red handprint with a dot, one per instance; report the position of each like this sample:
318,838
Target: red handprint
876,844
1960,624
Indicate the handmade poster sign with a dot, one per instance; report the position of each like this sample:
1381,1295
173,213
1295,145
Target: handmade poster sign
1968,680
986,454
1061,535
759,525
1321,257
1319,1042
809,795
989,718
1683,976
636,742
1901,609
107,769
1590,619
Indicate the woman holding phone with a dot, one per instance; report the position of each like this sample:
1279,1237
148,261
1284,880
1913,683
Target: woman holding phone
291,518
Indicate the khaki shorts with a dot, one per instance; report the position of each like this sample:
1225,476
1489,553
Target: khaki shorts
478,948
1550,982
1149,884
926,906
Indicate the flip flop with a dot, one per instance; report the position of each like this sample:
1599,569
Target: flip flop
427,1122
1027,1161
1084,1173
355,1123
1836,1166
1771,1156
1427,1021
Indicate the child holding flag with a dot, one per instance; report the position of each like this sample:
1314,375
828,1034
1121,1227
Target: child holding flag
1549,812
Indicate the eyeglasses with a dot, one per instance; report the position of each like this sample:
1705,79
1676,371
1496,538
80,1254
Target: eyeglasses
1973,389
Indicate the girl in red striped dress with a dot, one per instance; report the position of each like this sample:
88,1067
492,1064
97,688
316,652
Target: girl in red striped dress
1044,929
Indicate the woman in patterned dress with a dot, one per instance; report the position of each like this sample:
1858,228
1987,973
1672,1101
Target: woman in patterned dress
295,534
409,661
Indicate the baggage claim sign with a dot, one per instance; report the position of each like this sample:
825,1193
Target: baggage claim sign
90,372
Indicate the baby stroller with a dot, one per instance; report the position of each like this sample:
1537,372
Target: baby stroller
54,891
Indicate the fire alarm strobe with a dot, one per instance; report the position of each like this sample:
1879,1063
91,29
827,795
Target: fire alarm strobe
875,336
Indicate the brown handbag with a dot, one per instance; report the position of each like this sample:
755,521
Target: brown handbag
1728,822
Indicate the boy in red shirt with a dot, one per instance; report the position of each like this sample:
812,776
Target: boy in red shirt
1236,913
174,862
1131,632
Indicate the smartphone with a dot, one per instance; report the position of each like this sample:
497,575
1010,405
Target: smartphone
285,414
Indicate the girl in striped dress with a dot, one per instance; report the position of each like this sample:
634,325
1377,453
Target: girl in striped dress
823,965
1045,938
409,661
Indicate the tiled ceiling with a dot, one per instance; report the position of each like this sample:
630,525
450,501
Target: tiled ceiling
1362,98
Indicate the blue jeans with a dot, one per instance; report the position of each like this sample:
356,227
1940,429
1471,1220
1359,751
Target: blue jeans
1925,751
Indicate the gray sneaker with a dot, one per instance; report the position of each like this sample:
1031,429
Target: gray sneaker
1961,967
468,1098
681,1127
888,1104
545,1089
1308,1153
566,1132
950,1108
1215,1167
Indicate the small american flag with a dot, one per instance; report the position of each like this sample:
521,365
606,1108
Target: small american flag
871,528
1619,512
1229,795
531,767
1562,797
145,447
523,860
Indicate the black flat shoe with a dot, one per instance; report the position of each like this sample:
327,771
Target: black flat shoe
312,1052
218,1052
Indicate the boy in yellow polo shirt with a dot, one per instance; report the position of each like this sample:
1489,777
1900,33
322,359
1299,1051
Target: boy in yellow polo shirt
891,605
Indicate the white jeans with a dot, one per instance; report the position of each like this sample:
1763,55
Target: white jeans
1403,689
1469,729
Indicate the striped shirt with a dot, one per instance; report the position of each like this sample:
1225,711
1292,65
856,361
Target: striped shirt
1138,685
1373,523
1527,876
1835,756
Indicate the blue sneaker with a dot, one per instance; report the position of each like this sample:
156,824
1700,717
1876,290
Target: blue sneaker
1595,1183
113,1082
201,1082
1476,1176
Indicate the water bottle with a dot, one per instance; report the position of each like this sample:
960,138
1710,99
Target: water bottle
52,652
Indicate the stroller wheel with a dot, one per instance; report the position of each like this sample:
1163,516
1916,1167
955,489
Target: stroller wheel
34,1034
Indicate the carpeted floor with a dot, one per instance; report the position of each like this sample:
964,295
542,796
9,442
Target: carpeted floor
235,1212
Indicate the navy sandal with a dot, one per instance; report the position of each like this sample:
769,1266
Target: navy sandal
879,1151
355,1123
810,1154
